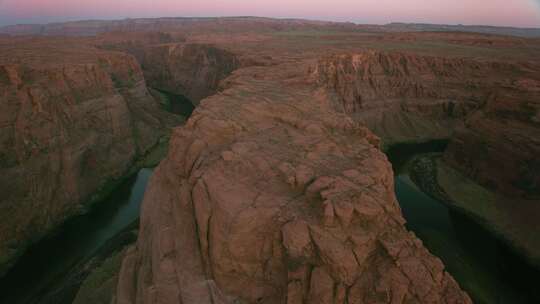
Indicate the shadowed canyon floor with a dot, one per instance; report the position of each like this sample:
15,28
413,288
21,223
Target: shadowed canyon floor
52,270
276,190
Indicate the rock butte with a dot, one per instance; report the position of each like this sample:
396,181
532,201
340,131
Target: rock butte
276,189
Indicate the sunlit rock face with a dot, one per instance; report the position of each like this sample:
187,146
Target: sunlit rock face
268,195
73,119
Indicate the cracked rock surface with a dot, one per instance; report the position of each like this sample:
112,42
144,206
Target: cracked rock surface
268,195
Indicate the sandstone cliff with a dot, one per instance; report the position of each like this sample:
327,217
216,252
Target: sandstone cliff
274,192
487,108
192,70
406,97
499,144
170,64
268,195
73,120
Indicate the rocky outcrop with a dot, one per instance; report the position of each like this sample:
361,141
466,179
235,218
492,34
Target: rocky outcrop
267,195
73,120
406,97
499,144
489,109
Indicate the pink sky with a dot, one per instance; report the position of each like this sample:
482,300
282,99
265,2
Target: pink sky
525,13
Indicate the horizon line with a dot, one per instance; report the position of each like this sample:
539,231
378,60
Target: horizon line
263,17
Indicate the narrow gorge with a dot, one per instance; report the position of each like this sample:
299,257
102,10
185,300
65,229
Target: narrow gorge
106,123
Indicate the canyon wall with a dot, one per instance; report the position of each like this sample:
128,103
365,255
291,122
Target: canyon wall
73,121
499,145
407,97
170,64
488,108
192,70
267,195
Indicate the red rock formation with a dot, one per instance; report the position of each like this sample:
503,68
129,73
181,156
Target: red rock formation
72,122
269,196
192,70
271,193
409,97
169,64
499,144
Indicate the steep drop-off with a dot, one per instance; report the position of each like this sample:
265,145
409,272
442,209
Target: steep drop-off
488,109
499,145
269,196
192,70
172,65
73,121
406,97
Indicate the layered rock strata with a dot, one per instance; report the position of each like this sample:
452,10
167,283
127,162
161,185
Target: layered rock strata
488,109
169,64
73,120
499,145
407,97
192,70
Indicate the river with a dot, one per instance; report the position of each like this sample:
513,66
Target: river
50,261
472,255
45,272
475,258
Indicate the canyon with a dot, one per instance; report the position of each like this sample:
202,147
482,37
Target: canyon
493,105
277,188
74,122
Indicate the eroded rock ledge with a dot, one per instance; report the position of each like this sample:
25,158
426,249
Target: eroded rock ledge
268,195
